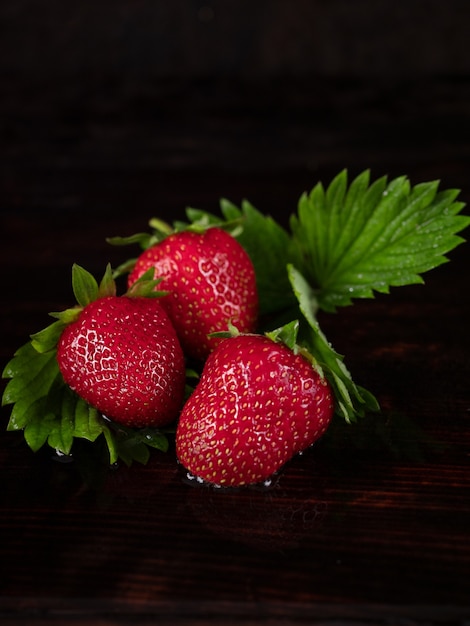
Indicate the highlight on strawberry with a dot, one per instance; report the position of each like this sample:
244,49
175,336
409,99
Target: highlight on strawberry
218,339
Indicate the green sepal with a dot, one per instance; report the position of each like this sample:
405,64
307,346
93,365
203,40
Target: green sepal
46,339
84,284
107,286
65,317
124,268
145,286
287,335
200,221
86,288
142,239
232,331
160,230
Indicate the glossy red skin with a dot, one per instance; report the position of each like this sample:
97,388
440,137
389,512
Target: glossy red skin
257,404
211,282
123,357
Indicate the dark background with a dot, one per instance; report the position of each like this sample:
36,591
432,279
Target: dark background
105,105
269,38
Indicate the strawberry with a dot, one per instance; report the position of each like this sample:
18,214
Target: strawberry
123,357
257,404
210,281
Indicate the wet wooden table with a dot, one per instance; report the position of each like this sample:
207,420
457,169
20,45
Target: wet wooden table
372,526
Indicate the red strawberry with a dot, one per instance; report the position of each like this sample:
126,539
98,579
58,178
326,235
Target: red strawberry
123,357
211,282
256,405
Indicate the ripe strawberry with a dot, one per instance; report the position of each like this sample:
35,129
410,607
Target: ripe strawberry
123,357
256,405
211,282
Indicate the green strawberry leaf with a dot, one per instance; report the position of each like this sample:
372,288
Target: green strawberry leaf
352,401
365,238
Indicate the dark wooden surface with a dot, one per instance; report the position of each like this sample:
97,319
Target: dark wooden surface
355,532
